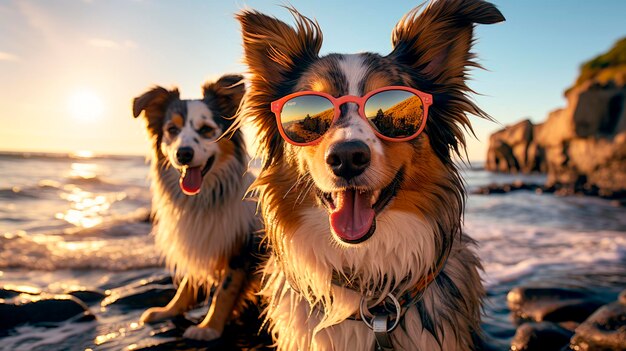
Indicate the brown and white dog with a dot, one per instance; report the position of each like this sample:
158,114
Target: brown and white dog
414,253
199,180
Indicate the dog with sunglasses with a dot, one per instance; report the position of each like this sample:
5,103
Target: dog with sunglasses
361,196
203,225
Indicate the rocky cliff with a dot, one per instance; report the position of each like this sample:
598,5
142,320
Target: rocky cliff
581,146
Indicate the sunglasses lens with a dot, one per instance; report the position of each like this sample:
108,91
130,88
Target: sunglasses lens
305,118
395,113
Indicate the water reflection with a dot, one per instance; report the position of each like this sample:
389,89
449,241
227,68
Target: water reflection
87,209
84,170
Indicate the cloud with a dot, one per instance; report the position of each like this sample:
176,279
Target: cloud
5,56
55,33
111,44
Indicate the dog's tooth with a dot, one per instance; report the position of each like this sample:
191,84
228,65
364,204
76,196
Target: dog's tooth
375,196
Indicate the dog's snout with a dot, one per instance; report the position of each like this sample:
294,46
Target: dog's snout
184,155
348,159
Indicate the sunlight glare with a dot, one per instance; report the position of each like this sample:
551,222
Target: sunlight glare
82,154
85,105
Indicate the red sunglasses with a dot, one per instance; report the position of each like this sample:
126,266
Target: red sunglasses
395,113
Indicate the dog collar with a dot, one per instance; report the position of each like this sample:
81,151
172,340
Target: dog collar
405,300
377,318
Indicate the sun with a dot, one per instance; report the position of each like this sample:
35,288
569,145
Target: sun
85,105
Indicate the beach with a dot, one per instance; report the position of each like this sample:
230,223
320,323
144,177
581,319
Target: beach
81,225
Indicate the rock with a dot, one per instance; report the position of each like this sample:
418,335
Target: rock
603,330
41,308
544,336
506,188
9,291
580,146
141,296
509,148
182,345
622,297
87,296
551,304
133,281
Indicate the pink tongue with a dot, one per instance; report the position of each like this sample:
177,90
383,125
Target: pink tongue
353,215
191,180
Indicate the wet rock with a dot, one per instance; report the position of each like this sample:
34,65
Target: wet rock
551,304
603,330
585,140
182,345
10,291
163,279
140,296
622,297
41,309
87,296
506,188
544,336
131,282
246,332
569,325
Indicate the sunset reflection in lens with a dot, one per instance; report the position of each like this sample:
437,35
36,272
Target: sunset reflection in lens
305,118
395,113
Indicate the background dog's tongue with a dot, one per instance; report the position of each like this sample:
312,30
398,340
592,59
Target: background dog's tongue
191,180
353,215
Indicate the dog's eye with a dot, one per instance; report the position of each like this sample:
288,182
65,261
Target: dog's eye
206,131
173,130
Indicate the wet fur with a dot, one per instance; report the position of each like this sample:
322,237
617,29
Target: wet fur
201,235
418,229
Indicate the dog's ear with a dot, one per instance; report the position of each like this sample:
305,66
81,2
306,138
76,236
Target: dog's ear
436,42
226,92
276,54
273,49
153,103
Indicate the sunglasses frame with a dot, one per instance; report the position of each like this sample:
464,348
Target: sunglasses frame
277,107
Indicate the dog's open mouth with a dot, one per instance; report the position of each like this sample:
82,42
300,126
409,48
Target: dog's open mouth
191,177
352,211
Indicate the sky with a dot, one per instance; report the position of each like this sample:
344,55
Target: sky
69,69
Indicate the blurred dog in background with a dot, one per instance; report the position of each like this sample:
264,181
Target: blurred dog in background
203,224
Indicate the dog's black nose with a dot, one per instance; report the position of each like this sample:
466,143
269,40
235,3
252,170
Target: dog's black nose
348,159
184,155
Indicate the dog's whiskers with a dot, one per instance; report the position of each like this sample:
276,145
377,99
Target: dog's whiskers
303,193
296,183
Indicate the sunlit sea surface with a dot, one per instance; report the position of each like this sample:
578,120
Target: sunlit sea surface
68,222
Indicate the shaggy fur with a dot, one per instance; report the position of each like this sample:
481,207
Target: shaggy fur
202,237
418,231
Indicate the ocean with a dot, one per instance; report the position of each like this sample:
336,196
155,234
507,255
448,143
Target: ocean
70,223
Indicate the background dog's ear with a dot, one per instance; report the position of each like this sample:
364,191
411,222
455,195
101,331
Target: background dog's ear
276,54
437,41
154,103
226,92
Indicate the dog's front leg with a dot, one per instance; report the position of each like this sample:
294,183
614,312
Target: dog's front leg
181,302
221,307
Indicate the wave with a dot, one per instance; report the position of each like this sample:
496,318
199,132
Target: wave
92,181
46,187
120,244
65,156
28,337
517,252
17,193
